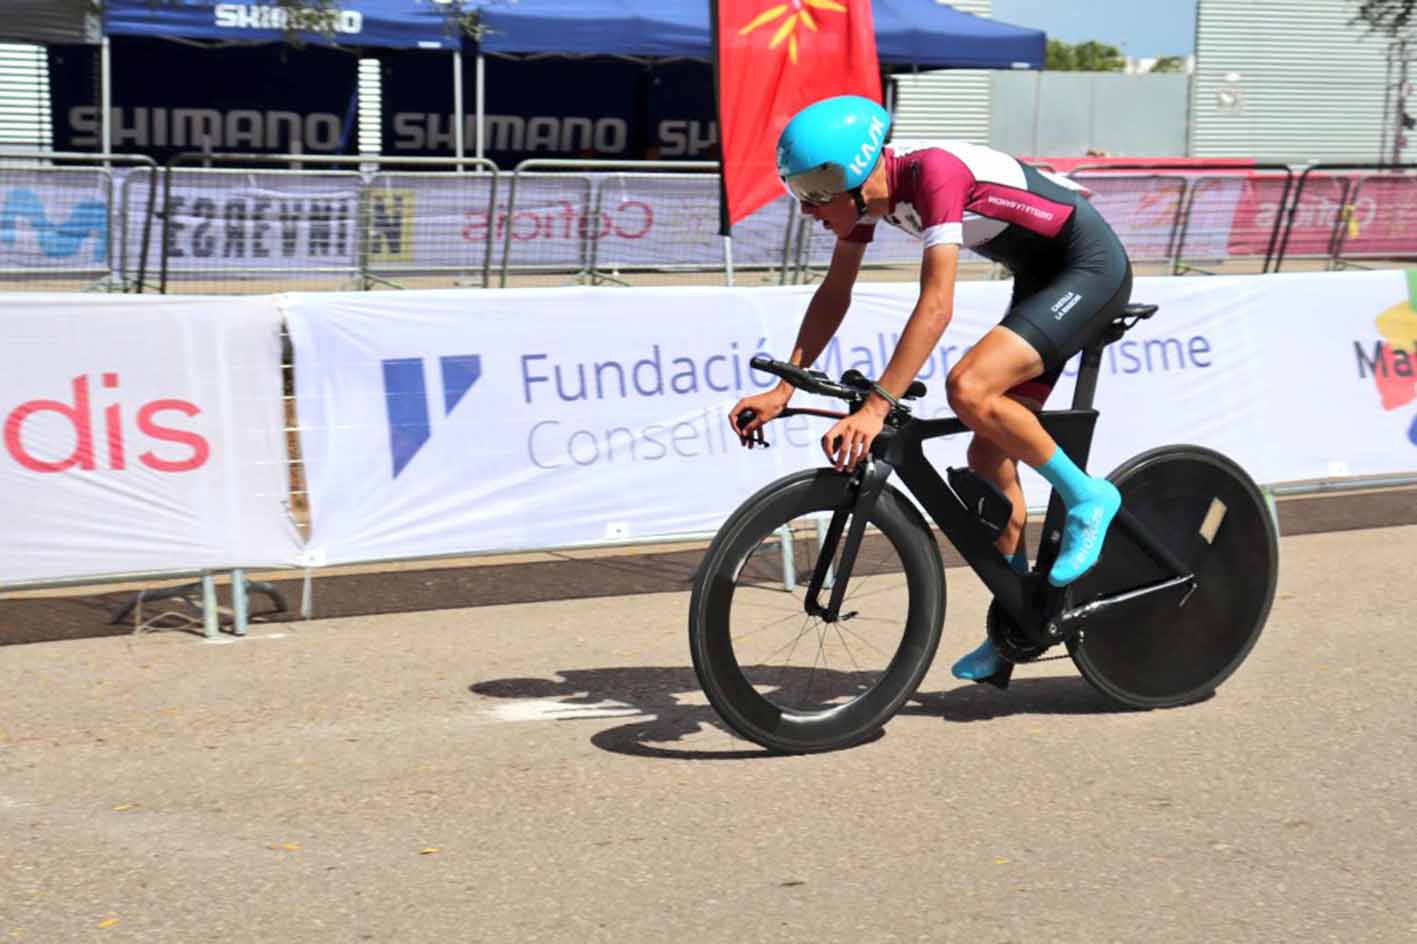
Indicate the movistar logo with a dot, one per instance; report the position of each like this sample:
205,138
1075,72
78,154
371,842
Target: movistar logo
866,157
406,399
57,240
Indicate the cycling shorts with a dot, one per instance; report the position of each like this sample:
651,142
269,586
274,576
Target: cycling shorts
1071,288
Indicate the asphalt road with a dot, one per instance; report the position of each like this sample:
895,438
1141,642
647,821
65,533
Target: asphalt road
548,771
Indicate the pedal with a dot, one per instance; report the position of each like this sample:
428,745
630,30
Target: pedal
999,679
983,498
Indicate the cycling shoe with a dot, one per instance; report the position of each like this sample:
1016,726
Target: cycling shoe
1083,533
980,664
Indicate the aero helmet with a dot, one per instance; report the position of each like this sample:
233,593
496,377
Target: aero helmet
831,147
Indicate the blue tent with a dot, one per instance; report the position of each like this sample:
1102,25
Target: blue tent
908,32
394,24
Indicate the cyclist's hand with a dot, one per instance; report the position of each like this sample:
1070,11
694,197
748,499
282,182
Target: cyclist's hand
850,439
765,405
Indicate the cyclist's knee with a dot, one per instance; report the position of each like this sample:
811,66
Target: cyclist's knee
967,393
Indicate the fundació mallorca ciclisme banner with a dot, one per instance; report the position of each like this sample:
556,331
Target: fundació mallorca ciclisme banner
574,416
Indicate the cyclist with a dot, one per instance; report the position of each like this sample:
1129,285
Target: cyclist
1071,278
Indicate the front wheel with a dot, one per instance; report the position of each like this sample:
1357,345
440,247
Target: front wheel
785,679
1168,648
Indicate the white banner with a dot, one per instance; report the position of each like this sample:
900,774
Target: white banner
255,223
452,421
141,434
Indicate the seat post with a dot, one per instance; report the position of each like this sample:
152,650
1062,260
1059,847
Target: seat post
1086,388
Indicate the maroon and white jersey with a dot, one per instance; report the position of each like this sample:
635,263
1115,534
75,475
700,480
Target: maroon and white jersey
954,192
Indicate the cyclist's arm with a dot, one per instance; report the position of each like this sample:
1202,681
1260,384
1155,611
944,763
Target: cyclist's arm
827,307
928,321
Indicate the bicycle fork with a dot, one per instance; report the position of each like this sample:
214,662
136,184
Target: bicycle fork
851,518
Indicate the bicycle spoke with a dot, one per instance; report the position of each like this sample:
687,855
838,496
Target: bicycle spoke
842,637
847,662
865,642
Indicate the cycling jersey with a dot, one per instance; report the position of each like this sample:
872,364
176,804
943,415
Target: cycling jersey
971,196
1071,274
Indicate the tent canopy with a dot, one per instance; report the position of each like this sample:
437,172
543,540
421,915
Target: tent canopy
908,32
393,24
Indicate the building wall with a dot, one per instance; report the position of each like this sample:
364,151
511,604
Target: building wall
1289,80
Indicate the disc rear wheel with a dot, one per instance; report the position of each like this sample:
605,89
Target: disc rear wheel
1176,646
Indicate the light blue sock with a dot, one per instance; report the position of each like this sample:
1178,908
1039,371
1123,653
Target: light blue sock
984,660
1091,504
1074,486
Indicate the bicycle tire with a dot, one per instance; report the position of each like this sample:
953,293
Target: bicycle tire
711,634
1154,652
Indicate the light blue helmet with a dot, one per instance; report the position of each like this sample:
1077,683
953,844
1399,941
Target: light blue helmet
831,147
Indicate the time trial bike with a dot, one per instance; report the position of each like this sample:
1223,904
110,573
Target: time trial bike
823,659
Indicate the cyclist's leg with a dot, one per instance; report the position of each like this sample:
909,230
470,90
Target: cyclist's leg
983,662
1040,333
994,465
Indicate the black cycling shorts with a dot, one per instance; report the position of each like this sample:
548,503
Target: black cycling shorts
1067,292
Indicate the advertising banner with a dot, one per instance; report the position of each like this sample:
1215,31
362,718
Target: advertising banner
458,421
141,434
54,220
270,99
397,24
596,107
253,223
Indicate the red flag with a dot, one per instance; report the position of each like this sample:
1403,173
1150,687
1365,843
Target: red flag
774,58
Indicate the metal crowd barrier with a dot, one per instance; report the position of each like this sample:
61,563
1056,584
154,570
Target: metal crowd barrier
1392,189
1212,207
348,229
243,222
58,216
697,186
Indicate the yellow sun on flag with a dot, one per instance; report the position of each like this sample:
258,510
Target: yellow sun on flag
796,11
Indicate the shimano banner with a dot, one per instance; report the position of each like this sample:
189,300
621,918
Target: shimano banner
141,434
398,24
249,99
554,108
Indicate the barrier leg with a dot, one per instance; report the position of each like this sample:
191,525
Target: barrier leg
239,602
210,616
307,597
1268,494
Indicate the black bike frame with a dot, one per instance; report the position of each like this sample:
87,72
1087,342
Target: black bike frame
1034,604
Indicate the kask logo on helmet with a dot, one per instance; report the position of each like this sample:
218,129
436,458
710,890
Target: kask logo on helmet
865,158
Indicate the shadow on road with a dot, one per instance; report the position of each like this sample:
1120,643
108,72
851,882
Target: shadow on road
664,715
1032,696
658,702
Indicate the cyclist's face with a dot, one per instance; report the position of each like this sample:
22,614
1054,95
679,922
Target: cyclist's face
838,214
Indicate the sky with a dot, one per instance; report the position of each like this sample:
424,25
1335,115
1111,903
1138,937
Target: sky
1140,28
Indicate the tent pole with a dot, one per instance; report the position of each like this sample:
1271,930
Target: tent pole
728,261
457,105
105,68
481,101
